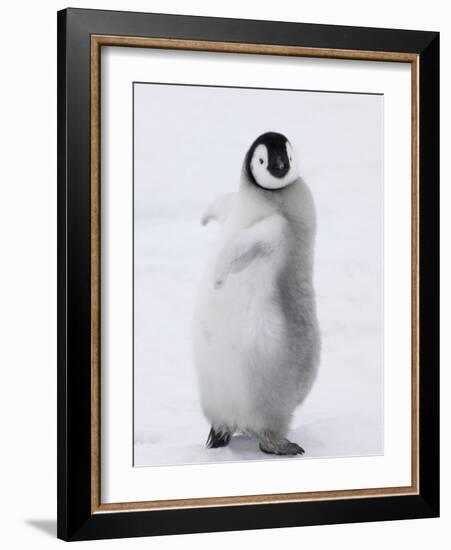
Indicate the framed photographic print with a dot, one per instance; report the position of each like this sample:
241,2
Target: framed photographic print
248,258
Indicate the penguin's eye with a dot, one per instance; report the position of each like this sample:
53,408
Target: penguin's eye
260,161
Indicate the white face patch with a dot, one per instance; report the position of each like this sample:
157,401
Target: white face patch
259,168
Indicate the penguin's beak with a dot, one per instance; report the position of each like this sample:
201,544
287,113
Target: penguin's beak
280,168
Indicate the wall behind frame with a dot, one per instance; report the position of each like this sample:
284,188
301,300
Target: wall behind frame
28,274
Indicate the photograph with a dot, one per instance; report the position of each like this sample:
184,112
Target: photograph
258,274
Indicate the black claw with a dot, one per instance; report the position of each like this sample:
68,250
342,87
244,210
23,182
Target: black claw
263,450
297,450
218,439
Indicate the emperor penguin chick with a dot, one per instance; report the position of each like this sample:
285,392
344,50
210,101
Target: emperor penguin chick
256,336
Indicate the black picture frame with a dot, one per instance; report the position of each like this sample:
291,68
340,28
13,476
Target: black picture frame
76,519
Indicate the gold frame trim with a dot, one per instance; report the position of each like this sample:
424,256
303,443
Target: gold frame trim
97,41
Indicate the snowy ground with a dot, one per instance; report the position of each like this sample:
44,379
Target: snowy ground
187,152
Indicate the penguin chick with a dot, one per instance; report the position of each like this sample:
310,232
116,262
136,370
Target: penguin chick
256,336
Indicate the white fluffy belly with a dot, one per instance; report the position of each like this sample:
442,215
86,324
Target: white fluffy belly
234,327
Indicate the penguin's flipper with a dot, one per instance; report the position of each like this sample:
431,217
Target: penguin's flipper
219,438
258,240
219,209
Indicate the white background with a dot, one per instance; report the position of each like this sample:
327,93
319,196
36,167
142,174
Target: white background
28,276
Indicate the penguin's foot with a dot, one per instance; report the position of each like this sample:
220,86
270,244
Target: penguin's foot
218,438
280,446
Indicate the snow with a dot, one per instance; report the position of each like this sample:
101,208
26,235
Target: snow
189,145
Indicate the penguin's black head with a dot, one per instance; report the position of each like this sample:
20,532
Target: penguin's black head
270,162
